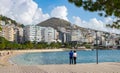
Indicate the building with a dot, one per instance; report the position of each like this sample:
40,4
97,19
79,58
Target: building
76,35
18,34
50,34
11,32
64,34
32,33
40,34
7,32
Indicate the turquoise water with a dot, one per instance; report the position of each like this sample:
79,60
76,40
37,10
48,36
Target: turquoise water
63,57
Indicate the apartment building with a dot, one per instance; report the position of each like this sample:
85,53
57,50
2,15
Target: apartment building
38,34
64,34
7,32
76,35
18,34
32,33
50,35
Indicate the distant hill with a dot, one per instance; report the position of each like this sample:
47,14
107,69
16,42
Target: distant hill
10,21
55,23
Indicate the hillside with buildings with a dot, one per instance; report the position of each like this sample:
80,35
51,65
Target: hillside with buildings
54,30
11,30
5,21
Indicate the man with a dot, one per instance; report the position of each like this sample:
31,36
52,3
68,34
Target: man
71,57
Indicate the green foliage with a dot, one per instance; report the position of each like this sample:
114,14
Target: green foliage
3,42
29,45
2,46
55,45
114,25
6,20
22,25
6,45
68,45
0,28
110,7
41,45
88,46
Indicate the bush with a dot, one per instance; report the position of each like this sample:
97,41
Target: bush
88,46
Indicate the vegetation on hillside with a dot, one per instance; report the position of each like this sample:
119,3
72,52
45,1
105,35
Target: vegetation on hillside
55,23
10,21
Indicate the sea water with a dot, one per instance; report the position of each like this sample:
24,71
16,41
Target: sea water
62,57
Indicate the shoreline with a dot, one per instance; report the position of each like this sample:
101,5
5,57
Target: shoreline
5,59
7,67
7,54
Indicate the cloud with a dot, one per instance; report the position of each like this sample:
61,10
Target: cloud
28,12
108,20
60,12
39,16
23,11
95,24
79,22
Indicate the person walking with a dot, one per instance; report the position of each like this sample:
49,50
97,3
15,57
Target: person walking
71,57
74,57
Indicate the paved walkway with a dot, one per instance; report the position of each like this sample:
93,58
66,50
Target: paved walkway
79,68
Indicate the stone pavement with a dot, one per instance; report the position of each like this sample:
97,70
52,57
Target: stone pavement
79,68
21,69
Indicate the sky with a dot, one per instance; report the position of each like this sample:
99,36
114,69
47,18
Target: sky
32,12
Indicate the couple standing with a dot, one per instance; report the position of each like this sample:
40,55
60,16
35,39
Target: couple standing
73,56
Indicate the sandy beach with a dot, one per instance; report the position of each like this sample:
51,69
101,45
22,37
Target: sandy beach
7,67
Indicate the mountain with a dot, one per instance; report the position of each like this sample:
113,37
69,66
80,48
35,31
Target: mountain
55,23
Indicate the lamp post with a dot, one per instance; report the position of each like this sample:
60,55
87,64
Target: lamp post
96,48
35,37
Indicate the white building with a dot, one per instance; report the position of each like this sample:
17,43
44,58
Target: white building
37,34
7,32
64,34
50,34
76,35
32,33
18,34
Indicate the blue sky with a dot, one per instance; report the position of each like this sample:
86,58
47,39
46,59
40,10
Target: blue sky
48,5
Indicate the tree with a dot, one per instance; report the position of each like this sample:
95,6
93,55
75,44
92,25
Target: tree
0,23
110,7
0,27
104,7
29,45
114,25
3,43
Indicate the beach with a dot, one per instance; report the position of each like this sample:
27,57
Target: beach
7,67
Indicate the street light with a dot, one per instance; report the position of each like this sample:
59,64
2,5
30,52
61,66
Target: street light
96,47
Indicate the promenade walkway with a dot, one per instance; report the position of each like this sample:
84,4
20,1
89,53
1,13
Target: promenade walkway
79,68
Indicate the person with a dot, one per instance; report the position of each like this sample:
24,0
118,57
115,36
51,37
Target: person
71,57
74,57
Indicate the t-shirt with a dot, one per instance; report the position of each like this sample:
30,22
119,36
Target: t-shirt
71,54
75,54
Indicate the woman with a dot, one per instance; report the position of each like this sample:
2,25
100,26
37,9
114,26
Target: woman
74,57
